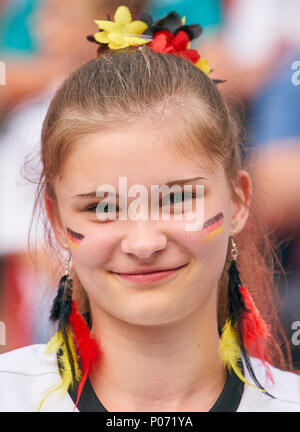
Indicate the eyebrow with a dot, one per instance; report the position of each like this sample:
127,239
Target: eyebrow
170,183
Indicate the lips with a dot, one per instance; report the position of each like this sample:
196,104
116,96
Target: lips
150,276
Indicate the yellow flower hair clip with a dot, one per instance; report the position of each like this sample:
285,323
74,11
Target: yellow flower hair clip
122,32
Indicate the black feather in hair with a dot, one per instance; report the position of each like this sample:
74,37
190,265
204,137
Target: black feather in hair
60,312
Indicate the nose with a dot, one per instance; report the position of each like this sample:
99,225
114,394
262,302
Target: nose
143,239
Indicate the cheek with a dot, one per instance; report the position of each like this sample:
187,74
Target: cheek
95,247
207,246
210,237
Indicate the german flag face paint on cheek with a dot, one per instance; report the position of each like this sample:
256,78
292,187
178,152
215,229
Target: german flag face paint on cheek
74,238
213,227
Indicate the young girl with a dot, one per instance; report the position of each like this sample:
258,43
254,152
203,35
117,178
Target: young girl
152,315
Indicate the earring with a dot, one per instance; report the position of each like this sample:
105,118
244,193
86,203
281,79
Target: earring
62,303
235,300
77,351
63,341
245,332
253,328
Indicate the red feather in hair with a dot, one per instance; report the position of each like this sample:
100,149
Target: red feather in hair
87,347
255,331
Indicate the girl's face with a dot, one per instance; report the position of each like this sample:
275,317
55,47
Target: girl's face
101,250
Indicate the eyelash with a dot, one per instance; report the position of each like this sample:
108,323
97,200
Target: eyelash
93,206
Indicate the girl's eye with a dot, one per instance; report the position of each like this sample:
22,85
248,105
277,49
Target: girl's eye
174,198
101,207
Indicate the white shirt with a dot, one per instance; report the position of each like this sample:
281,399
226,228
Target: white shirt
27,374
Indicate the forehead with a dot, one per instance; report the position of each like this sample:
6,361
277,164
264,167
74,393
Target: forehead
142,154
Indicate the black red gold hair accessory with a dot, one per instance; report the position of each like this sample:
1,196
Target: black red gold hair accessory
168,35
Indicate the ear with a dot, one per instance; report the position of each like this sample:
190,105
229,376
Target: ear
243,188
55,221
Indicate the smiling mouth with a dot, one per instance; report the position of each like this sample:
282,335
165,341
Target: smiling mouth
148,277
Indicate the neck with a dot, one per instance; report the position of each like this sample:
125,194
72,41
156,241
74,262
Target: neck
173,367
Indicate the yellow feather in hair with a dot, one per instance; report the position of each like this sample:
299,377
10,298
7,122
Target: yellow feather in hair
230,352
66,372
71,338
55,343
